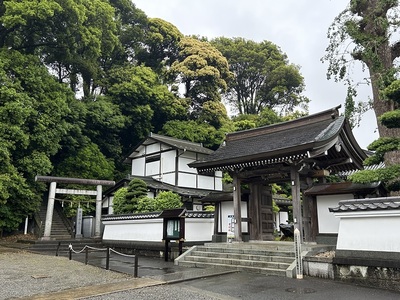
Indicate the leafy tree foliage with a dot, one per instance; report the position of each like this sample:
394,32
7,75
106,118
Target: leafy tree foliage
371,26
162,40
32,110
119,201
127,200
263,77
144,102
202,70
164,200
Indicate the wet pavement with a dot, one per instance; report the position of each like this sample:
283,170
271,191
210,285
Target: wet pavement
159,279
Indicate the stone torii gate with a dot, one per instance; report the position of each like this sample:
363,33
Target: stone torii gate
53,190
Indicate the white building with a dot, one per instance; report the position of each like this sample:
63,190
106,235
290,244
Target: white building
162,162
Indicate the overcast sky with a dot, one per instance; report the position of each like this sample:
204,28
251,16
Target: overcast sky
298,27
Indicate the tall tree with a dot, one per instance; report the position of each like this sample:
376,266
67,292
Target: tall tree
202,70
370,26
72,37
161,40
144,102
33,110
263,77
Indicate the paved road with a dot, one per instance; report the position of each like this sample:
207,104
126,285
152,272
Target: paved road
161,280
240,285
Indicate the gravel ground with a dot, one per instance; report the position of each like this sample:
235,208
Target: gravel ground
25,274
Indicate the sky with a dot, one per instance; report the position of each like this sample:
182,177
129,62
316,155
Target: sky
298,27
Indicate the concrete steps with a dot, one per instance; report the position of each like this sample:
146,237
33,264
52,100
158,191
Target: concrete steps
263,258
59,230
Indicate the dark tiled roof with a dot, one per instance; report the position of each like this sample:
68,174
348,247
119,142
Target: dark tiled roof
297,136
340,188
180,144
156,215
158,185
368,204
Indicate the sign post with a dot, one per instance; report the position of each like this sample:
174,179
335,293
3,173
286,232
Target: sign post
230,235
173,228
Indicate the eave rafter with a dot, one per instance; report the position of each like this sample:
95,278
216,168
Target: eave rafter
256,163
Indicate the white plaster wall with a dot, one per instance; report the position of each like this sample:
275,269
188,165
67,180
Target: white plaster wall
227,209
369,231
153,148
167,178
138,166
153,168
134,230
168,161
205,182
183,165
199,229
187,180
327,222
151,230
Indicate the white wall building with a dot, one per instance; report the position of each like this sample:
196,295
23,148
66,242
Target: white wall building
162,162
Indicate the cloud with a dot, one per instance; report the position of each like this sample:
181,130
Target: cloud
298,27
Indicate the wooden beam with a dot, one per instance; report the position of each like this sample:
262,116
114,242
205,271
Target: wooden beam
237,211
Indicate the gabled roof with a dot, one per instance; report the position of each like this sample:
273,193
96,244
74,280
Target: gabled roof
171,142
308,138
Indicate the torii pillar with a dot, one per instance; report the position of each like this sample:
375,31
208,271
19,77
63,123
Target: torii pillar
53,191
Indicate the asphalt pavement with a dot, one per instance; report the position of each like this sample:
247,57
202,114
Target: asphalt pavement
158,279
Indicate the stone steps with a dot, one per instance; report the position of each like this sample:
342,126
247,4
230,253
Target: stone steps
264,258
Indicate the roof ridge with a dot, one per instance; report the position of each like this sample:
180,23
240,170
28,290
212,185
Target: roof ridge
166,137
332,113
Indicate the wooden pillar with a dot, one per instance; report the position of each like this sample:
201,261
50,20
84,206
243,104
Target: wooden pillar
49,212
216,217
254,211
297,216
310,216
237,211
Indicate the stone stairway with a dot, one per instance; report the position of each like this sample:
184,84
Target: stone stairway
59,229
269,258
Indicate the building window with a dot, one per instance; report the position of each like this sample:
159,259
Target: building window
153,158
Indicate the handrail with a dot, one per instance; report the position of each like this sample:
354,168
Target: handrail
86,248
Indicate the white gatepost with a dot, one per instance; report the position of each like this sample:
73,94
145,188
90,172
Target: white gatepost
49,212
97,230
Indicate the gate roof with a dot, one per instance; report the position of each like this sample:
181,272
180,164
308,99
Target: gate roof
322,141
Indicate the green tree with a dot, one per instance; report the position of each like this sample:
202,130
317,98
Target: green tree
371,27
74,38
162,40
33,110
263,77
126,200
390,175
119,201
164,200
202,70
197,132
144,102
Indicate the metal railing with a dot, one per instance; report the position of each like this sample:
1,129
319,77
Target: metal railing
87,249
